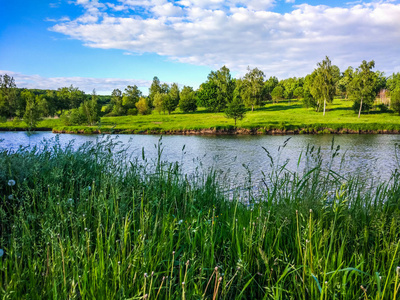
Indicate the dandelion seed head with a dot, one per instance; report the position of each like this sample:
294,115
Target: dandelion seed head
10,197
11,182
1,252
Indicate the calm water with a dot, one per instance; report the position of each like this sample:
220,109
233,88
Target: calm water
232,156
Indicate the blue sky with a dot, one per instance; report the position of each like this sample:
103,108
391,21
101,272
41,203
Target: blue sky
106,44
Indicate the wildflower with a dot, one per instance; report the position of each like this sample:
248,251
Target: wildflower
145,275
11,182
89,188
398,271
70,201
10,197
152,274
1,252
183,283
180,222
85,228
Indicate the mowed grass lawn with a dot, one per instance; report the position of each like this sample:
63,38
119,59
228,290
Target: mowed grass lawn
279,116
282,115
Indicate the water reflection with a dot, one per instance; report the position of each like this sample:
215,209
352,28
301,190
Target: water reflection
233,156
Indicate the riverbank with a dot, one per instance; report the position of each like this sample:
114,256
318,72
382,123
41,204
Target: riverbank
84,224
280,118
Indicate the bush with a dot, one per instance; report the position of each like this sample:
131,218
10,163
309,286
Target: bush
132,112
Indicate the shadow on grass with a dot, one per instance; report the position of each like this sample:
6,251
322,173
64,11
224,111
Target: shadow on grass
280,107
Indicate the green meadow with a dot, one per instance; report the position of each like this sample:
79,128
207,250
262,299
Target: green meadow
282,117
89,224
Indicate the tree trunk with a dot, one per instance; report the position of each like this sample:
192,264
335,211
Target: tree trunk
235,122
252,107
324,105
359,112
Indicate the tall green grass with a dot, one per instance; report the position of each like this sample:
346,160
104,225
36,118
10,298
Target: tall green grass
90,222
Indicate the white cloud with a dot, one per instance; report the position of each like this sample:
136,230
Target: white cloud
241,33
86,84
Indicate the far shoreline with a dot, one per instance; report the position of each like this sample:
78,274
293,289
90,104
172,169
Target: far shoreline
207,131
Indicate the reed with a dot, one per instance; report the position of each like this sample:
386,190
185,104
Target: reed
90,222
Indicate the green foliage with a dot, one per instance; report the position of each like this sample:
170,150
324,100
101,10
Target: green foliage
298,92
395,100
187,100
207,97
32,110
342,85
323,86
269,86
8,96
130,97
253,87
235,110
277,93
82,223
219,90
363,87
153,90
143,106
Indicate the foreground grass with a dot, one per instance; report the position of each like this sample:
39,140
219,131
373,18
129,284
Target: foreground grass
272,117
85,224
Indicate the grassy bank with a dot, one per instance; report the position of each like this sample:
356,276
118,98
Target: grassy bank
84,224
273,118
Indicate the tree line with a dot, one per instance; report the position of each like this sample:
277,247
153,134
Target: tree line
220,92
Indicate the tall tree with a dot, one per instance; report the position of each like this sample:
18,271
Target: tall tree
116,102
395,99
154,89
253,87
323,87
343,83
175,95
91,109
187,101
269,86
207,95
277,93
225,86
130,97
8,96
143,106
363,87
32,112
235,110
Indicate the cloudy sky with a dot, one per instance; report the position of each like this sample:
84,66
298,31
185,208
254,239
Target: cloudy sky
107,44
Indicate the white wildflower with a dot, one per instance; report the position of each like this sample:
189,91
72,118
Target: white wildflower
10,197
11,182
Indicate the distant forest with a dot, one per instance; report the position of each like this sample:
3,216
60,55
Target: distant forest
361,85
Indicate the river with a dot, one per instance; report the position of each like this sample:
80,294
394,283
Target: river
234,156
